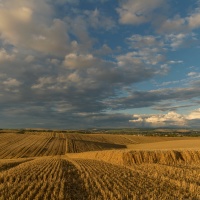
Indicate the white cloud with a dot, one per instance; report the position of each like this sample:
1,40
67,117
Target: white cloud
43,81
194,75
5,56
52,39
11,82
175,25
172,118
144,41
29,58
179,24
9,85
104,50
194,115
194,20
54,61
146,52
90,78
169,120
138,11
96,19
79,28
31,25
141,11
175,41
74,61
169,83
175,61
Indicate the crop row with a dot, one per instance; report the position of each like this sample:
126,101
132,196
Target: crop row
49,178
61,178
110,181
76,146
19,146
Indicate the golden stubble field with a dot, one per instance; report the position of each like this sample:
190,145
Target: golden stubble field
98,167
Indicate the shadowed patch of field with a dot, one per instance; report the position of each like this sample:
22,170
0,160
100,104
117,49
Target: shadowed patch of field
76,146
6,164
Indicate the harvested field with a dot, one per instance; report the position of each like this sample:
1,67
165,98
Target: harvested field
180,144
110,181
49,178
61,166
123,139
130,157
6,164
76,146
13,145
87,179
86,142
20,146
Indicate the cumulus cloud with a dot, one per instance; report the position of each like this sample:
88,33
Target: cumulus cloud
176,40
147,53
159,120
143,41
194,115
153,49
194,20
74,61
91,79
179,24
22,26
173,25
142,62
5,56
138,11
96,19
9,86
29,58
194,75
171,119
104,50
59,66
11,82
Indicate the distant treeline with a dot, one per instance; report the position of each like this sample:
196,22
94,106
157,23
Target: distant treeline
144,132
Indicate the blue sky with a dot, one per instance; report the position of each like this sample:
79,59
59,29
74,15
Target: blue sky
73,64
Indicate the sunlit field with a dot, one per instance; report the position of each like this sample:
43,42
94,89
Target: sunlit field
55,165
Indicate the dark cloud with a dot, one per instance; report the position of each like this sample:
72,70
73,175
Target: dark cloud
170,107
140,99
56,115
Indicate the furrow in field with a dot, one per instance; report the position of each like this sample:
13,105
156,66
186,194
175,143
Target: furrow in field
43,178
15,147
9,141
75,146
37,146
116,182
31,145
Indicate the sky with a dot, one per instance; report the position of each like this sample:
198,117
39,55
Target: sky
74,64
